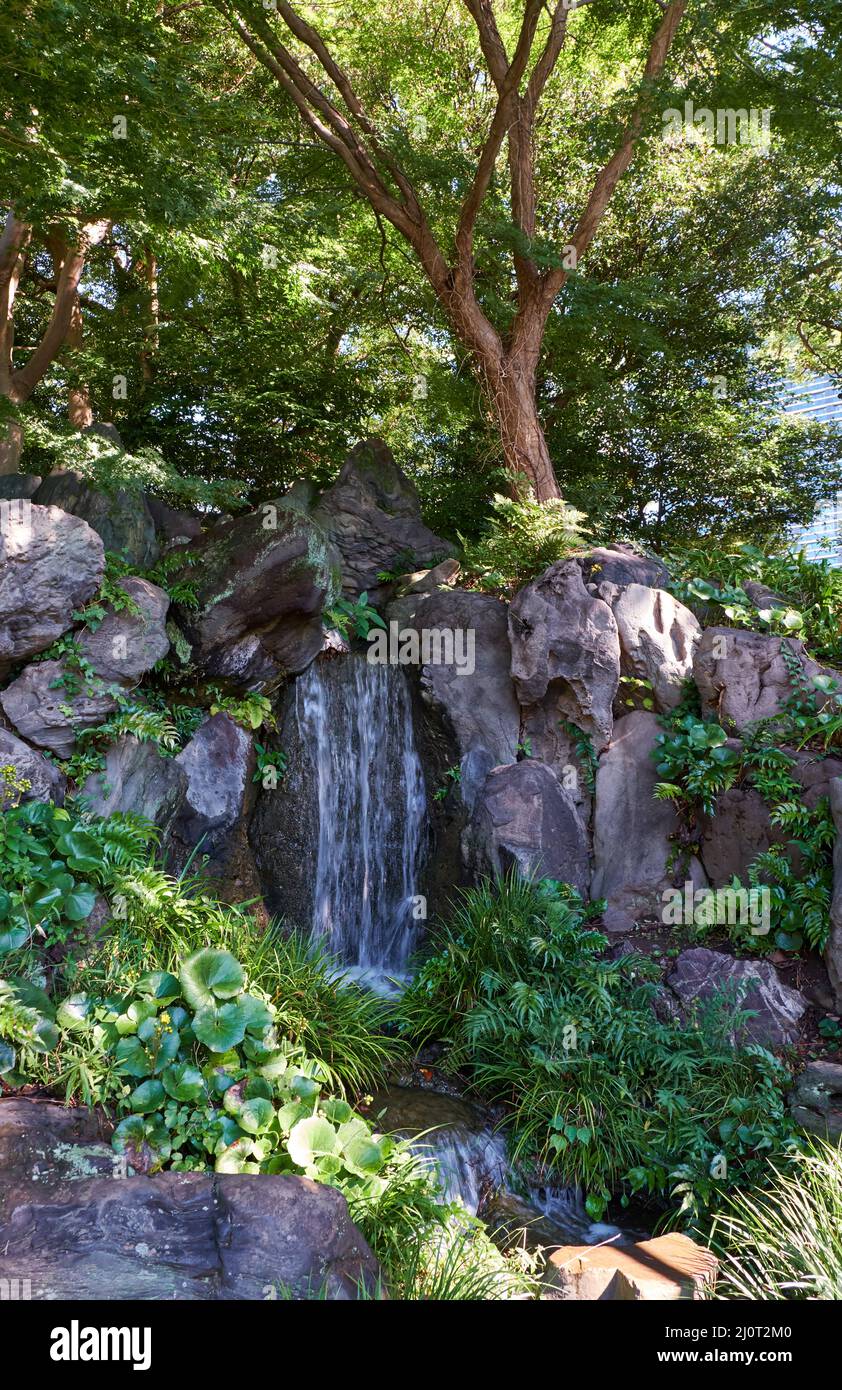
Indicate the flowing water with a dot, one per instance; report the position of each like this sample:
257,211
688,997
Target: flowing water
356,718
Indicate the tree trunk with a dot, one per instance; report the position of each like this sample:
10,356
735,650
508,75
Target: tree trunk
79,410
11,445
513,394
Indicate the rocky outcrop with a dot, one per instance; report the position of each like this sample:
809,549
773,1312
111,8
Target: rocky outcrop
815,1101
565,651
478,705
635,835
523,817
49,705
619,564
72,1227
747,986
742,676
173,527
129,641
121,518
261,582
137,778
658,638
833,950
664,1269
50,565
46,782
373,516
732,839
218,765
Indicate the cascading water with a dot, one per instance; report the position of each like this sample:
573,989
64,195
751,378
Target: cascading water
356,720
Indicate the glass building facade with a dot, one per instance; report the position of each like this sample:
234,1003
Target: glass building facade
819,399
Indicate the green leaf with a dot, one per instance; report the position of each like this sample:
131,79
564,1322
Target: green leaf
183,1082
256,1115
310,1139
74,1012
79,904
209,975
220,1028
147,1097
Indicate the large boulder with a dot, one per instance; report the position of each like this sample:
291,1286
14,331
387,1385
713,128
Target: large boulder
524,818
261,581
748,985
815,1101
49,704
75,1225
477,699
136,778
636,854
566,651
742,676
129,641
218,766
667,1268
173,527
46,782
373,515
619,564
19,485
658,637
50,565
120,517
833,950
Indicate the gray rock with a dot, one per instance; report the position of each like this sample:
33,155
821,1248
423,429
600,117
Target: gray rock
732,839
47,712
48,1144
137,778
763,598
212,817
121,518
173,527
261,581
699,974
47,783
479,706
19,485
815,1101
669,1267
619,564
428,581
742,676
658,637
833,950
373,515
50,565
634,835
524,818
566,651
127,644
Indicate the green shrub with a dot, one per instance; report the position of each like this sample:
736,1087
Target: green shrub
522,539
599,1091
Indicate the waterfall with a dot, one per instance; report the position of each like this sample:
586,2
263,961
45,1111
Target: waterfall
355,718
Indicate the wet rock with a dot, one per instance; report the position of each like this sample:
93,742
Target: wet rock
50,565
261,582
373,515
667,1268
129,641
658,637
44,1143
619,564
742,676
121,518
46,782
453,1135
833,950
479,705
748,985
137,778
49,704
565,651
815,1101
523,817
218,764
634,835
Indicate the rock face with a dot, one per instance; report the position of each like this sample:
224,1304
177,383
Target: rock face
699,974
666,1268
19,485
261,580
618,564
46,782
742,676
478,706
136,778
373,516
565,651
815,1101
74,1228
658,637
173,527
732,839
47,712
833,950
50,565
634,833
217,764
524,817
121,518
127,643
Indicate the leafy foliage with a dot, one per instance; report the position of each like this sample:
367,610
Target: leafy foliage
522,538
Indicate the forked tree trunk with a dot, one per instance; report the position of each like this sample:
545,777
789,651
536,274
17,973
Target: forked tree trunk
521,433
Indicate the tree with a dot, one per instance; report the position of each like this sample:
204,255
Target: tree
504,359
